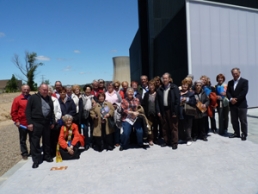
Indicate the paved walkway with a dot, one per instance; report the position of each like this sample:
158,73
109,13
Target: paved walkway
221,165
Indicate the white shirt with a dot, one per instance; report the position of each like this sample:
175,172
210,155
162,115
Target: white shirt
236,82
76,101
57,109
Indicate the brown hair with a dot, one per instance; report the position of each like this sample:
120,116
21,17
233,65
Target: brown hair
101,94
186,81
134,82
152,82
220,76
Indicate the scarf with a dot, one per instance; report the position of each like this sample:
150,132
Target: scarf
87,104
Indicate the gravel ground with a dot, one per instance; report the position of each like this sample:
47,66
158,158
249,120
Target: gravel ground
10,149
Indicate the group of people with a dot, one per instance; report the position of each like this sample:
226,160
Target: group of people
105,116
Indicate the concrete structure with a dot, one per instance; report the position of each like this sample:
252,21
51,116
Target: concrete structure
221,165
197,37
121,69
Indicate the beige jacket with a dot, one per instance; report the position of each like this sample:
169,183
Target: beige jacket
95,111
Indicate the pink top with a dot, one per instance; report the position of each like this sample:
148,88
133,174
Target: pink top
111,97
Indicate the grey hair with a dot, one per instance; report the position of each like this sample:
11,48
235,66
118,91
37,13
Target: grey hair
191,76
67,117
129,89
198,81
50,88
68,87
235,68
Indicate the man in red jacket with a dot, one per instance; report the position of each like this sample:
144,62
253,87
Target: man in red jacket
19,118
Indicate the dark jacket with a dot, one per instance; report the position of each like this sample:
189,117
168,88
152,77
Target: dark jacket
34,110
240,92
203,99
191,102
145,103
173,100
68,107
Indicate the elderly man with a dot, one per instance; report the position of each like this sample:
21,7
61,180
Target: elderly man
95,88
40,118
58,86
143,88
236,93
19,118
167,108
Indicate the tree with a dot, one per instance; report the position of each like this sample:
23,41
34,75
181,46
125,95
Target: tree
29,69
12,85
46,82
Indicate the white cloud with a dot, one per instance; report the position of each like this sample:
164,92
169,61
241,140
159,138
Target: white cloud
77,51
2,34
82,72
42,58
113,51
67,68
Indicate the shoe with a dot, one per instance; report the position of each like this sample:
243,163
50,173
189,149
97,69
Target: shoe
117,145
151,143
204,139
35,165
110,148
87,147
163,145
234,136
49,159
121,148
25,157
194,138
174,147
189,143
214,131
243,137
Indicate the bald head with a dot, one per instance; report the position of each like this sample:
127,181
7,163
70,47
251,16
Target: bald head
43,90
25,89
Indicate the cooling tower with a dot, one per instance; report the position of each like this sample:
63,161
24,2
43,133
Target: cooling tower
121,69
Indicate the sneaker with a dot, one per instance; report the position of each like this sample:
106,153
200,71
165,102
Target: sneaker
81,148
189,143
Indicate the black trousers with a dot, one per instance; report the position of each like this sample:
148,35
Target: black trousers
239,114
66,156
105,141
54,135
185,129
23,133
40,130
199,127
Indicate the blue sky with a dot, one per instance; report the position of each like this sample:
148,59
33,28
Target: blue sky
75,39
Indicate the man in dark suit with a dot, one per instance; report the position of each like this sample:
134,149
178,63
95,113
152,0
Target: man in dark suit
236,93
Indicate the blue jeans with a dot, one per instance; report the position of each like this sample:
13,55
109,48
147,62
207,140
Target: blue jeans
127,129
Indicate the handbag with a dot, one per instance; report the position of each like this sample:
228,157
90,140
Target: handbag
111,122
199,106
190,110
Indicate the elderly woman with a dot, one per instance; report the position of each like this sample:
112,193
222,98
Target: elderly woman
210,92
185,119
76,95
101,114
148,103
115,99
69,139
130,119
55,132
136,93
86,102
201,108
223,104
67,104
117,86
111,95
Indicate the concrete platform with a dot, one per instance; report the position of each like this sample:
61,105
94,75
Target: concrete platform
221,165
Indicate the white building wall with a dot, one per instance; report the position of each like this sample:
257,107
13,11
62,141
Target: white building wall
221,37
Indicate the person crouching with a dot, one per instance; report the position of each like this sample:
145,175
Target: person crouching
69,139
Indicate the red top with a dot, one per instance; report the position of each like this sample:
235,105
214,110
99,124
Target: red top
122,93
95,92
64,135
18,110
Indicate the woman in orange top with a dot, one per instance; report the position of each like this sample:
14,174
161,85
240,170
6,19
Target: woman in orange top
69,139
